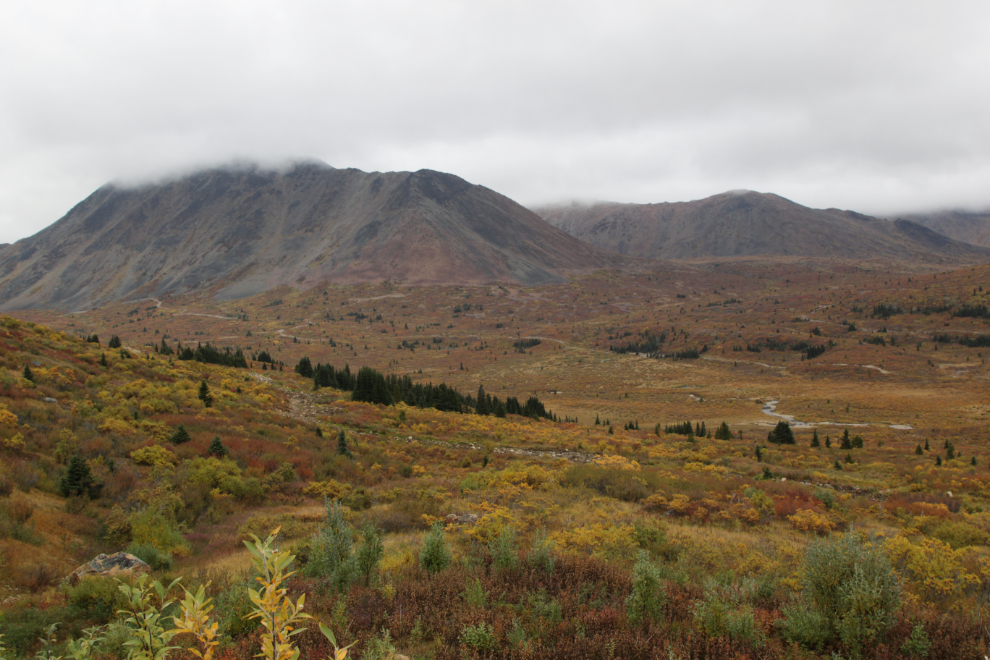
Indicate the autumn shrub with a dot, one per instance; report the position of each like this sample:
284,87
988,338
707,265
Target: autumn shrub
158,559
156,526
959,534
621,484
6,485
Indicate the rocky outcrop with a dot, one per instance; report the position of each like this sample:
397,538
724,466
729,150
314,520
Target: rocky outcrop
115,565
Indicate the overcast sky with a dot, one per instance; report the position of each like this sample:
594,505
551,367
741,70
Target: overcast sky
881,107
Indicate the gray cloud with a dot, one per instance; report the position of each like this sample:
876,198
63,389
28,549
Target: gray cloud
875,106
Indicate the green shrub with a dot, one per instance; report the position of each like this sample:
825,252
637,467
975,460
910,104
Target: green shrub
152,556
541,555
475,594
505,554
98,596
723,612
805,626
379,647
917,644
480,637
648,596
852,585
434,557
370,553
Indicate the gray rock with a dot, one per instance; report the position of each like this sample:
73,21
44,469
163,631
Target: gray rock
115,565
48,399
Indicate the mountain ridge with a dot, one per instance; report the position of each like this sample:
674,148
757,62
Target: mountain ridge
244,231
747,223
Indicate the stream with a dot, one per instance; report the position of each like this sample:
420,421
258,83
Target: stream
770,408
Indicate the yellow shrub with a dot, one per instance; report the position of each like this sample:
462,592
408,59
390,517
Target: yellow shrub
604,540
616,461
807,520
154,455
113,425
333,489
7,418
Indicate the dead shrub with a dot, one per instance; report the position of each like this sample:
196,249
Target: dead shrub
36,578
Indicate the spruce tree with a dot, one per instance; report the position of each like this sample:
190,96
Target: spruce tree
77,479
216,448
28,374
500,410
918,450
180,436
857,442
814,440
828,442
342,448
938,460
723,432
114,342
204,394
781,434
926,444
481,407
845,443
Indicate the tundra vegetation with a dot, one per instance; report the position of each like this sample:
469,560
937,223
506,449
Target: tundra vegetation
425,514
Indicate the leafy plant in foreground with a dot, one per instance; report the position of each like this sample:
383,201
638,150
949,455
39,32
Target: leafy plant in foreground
275,611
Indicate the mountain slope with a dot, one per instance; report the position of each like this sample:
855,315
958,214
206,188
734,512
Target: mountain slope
745,223
244,231
966,226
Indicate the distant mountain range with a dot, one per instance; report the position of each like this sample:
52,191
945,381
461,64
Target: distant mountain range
244,231
236,232
746,223
966,226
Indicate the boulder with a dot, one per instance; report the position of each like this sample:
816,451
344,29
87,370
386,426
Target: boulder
463,519
115,565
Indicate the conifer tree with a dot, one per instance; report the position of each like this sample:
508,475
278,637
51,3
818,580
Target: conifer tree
814,440
723,432
481,406
781,434
181,436
926,444
918,450
28,374
77,479
204,394
845,443
114,342
217,448
938,460
342,448
828,442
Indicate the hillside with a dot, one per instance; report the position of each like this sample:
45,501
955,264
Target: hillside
966,226
554,530
245,231
745,224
